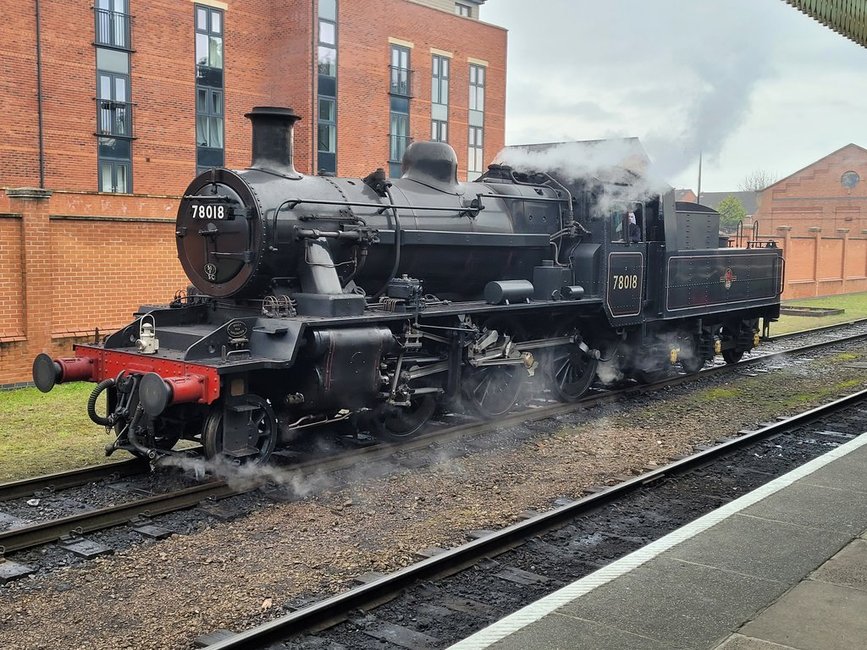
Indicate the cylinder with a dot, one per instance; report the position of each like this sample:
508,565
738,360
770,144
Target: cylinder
573,292
502,291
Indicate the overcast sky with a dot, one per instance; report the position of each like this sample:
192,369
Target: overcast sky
754,84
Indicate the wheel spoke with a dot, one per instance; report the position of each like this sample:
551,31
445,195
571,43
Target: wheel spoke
570,372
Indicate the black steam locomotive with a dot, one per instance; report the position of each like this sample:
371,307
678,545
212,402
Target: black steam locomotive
321,299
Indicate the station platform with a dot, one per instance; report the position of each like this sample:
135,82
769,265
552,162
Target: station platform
784,566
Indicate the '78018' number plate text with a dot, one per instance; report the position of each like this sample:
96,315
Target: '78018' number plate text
208,211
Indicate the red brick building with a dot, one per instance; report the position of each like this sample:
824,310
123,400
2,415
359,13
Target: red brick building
819,216
111,107
158,88
830,194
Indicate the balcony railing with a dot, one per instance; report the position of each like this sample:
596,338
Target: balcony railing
112,29
400,81
113,118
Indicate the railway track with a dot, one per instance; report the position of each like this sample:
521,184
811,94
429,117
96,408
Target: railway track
30,536
72,478
423,576
817,330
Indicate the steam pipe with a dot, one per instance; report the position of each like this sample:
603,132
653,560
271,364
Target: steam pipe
398,235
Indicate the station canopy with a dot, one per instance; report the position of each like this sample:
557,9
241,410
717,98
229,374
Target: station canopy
846,17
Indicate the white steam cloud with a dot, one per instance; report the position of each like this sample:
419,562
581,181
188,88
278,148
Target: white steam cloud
681,76
249,476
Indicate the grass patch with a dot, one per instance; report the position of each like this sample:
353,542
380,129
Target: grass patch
42,433
846,356
718,393
853,304
821,393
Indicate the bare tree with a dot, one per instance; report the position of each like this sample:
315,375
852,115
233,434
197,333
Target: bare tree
757,181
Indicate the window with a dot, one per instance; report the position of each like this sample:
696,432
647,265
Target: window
209,37
209,46
439,98
327,61
327,66
209,88
399,89
476,117
112,24
209,117
439,131
477,88
439,80
113,96
463,10
328,10
476,153
400,72
399,140
850,179
327,134
327,131
114,176
114,112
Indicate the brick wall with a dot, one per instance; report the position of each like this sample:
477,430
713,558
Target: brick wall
75,262
817,265
11,286
19,135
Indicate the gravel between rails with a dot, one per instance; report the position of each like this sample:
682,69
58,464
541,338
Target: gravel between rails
234,574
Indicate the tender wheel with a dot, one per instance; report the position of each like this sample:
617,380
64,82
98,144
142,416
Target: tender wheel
691,360
396,423
570,372
731,355
251,435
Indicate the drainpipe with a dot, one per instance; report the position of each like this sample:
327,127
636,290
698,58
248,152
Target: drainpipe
314,89
39,100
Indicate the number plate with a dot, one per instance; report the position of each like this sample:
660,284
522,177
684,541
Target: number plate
210,212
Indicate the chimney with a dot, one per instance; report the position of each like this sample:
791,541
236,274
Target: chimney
273,141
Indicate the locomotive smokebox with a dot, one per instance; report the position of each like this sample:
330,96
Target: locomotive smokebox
273,139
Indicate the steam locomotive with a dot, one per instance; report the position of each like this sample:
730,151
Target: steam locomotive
317,299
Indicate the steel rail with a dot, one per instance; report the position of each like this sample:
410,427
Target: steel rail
45,532
336,608
76,477
817,330
72,478
19,539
